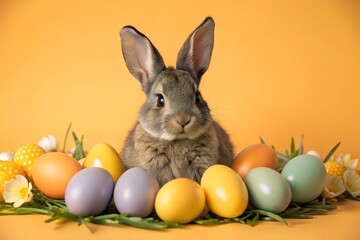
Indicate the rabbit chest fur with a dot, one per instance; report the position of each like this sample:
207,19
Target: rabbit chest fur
181,158
175,135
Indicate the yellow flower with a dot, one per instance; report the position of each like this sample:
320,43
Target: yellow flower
346,161
334,186
18,191
352,182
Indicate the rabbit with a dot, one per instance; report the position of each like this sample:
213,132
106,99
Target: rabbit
175,135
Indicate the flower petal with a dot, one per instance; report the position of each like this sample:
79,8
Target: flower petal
21,180
334,186
18,203
12,186
11,197
13,191
352,182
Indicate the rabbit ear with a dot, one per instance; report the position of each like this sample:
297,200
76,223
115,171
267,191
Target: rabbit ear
142,58
195,54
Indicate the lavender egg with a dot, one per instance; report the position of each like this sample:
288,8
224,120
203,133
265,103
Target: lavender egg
135,192
89,192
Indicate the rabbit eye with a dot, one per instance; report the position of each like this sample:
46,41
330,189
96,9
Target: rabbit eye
160,100
197,97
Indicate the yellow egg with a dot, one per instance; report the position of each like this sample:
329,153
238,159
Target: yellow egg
181,200
26,155
52,172
8,170
334,169
257,155
225,191
104,156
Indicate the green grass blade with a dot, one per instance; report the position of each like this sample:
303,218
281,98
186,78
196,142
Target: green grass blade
292,146
271,215
301,147
66,137
328,156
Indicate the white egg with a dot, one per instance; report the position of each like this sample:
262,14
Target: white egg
315,153
7,156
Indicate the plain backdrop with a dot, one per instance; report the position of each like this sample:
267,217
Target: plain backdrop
279,69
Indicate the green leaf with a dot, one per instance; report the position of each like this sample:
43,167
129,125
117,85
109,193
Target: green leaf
207,221
328,156
145,223
262,140
23,211
53,218
79,151
269,214
292,146
254,221
282,157
321,206
66,136
299,216
301,147
294,154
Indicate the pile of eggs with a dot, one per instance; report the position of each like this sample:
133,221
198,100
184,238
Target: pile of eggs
91,184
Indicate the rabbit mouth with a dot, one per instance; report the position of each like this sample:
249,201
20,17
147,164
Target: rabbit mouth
179,132
179,136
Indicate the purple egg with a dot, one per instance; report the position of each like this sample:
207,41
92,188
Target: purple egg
89,192
135,192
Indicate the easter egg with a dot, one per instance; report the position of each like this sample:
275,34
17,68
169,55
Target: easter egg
258,155
25,156
306,177
135,192
7,156
268,190
334,169
180,200
52,172
226,193
104,156
89,192
8,170
314,153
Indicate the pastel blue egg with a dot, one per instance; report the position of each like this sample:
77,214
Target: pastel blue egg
89,192
135,192
306,177
268,190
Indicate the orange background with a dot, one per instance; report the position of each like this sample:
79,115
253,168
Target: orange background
279,69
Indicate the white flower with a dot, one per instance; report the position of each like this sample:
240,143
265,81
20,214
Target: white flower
346,161
72,151
49,143
334,186
352,182
7,156
17,191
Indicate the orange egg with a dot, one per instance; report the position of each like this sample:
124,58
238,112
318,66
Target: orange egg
53,171
258,155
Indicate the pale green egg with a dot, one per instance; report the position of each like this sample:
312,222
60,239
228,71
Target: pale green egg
268,190
306,177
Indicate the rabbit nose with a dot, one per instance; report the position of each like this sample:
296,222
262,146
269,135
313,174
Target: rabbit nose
183,119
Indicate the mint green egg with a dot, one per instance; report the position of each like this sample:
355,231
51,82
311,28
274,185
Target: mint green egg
268,190
306,177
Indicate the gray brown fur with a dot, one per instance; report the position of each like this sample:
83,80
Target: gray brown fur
179,138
